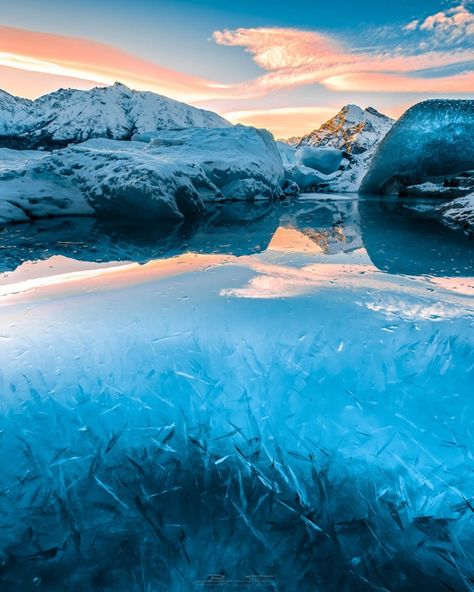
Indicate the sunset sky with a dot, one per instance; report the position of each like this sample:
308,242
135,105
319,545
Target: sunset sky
284,66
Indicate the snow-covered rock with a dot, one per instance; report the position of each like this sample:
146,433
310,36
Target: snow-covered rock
432,139
11,159
356,132
170,175
459,213
445,187
71,116
242,162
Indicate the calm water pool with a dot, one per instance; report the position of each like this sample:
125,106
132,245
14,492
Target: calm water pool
275,397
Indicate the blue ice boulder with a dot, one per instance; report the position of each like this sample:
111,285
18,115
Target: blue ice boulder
432,139
323,159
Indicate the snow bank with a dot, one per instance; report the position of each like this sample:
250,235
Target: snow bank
11,159
71,116
431,139
169,174
242,162
460,213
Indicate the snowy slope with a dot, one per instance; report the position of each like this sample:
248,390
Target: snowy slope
114,112
355,131
12,111
170,176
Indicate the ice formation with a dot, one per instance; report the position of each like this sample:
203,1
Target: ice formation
324,160
70,115
432,139
177,426
303,167
167,174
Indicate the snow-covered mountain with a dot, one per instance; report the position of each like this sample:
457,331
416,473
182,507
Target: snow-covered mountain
355,131
12,109
116,112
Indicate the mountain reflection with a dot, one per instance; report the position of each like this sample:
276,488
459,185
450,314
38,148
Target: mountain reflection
397,239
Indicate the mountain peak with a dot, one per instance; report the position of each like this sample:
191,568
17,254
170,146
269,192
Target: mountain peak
352,129
118,84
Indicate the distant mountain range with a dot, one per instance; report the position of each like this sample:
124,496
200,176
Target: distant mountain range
71,116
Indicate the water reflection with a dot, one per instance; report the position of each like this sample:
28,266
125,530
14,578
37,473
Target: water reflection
404,237
397,239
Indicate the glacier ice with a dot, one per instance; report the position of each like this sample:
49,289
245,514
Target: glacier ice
324,160
432,139
297,172
167,174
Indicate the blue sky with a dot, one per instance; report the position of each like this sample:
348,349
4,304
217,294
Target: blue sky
402,43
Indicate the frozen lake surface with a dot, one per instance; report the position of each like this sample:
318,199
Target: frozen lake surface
274,397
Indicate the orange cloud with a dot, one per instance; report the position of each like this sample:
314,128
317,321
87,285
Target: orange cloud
376,82
86,60
286,121
35,84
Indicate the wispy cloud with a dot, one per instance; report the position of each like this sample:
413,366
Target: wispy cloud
87,60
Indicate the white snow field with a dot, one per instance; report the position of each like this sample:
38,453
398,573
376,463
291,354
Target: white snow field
167,174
